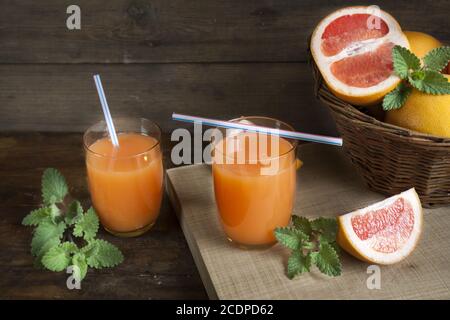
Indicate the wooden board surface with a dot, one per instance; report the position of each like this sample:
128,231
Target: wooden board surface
157,265
140,31
63,97
327,186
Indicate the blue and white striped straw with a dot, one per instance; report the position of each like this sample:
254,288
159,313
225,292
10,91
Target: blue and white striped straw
108,118
248,127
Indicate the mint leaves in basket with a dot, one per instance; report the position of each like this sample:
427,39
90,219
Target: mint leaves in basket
423,75
65,235
313,242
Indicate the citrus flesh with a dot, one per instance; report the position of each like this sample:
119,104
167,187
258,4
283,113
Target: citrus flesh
385,232
349,29
353,51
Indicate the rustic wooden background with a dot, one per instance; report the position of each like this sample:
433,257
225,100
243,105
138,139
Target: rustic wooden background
205,57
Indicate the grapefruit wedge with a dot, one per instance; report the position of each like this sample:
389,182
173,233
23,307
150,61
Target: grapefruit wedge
385,232
352,48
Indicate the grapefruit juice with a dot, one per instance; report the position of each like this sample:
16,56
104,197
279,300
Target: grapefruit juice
126,182
257,195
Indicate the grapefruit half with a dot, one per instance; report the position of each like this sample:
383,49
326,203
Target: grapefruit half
352,48
385,232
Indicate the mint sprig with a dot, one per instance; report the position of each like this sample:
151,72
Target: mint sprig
58,224
313,242
425,77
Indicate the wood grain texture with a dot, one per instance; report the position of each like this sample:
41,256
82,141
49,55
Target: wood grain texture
63,97
140,31
157,265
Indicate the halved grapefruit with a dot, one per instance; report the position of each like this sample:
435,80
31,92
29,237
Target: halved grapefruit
385,232
352,48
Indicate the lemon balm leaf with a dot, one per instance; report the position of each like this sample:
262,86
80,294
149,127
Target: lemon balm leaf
290,237
54,186
404,61
430,82
302,224
74,212
79,261
45,232
52,242
397,97
298,264
101,253
327,227
56,259
36,216
86,225
437,59
327,260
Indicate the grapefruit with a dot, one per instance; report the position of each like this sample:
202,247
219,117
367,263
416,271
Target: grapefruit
385,232
421,43
352,48
424,113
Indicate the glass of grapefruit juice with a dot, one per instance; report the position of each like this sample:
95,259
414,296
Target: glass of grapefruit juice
125,182
254,179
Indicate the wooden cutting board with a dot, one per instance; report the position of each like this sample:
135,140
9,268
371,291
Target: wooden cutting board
327,186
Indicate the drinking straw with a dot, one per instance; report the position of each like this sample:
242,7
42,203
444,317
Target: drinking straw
248,127
108,118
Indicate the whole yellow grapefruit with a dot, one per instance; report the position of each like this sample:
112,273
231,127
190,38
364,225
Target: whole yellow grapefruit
424,113
421,43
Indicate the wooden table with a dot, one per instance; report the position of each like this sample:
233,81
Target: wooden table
158,265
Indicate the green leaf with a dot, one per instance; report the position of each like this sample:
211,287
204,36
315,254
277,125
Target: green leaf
430,82
327,260
335,247
74,212
327,227
79,260
298,263
50,243
397,97
69,247
100,253
302,224
37,216
86,226
290,237
404,61
54,187
55,213
437,59
57,258
45,232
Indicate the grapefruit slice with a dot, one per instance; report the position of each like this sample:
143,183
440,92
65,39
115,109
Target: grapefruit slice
352,48
385,232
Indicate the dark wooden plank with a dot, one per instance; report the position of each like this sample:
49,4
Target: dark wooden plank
158,265
63,97
124,31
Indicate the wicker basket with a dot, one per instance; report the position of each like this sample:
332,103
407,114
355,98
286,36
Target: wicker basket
391,159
